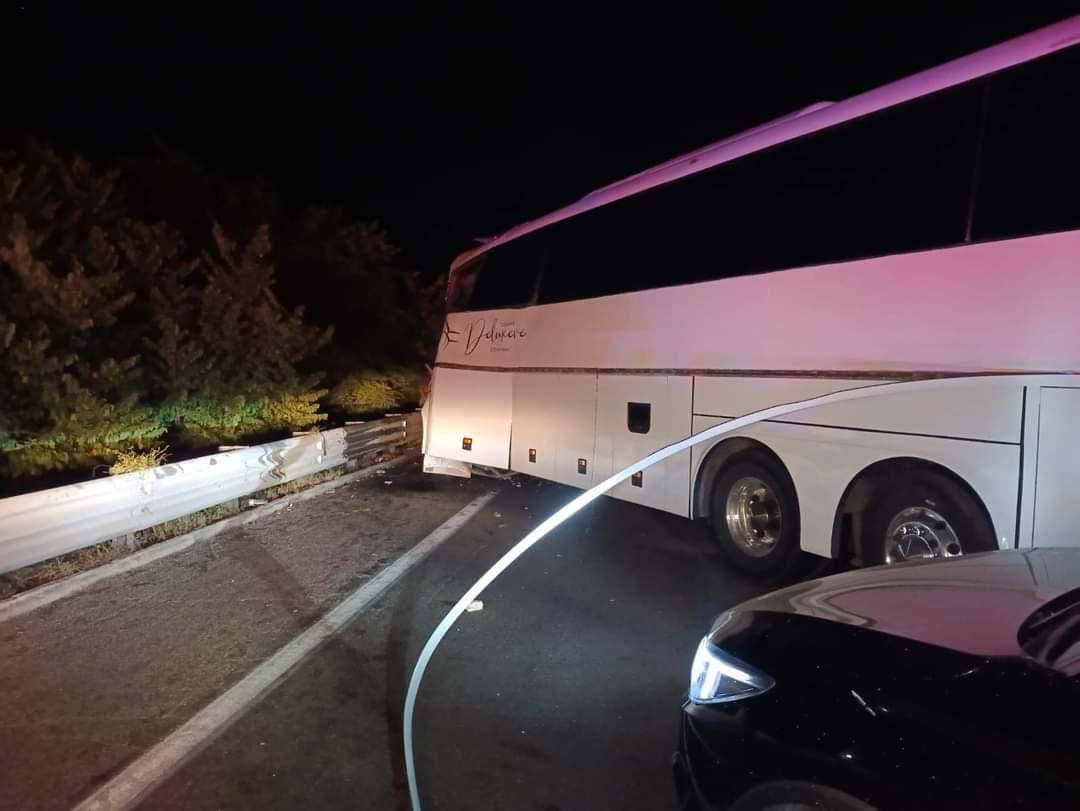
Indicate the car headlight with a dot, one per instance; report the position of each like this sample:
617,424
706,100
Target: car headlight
716,677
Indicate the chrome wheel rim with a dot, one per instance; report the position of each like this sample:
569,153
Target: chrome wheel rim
919,533
753,516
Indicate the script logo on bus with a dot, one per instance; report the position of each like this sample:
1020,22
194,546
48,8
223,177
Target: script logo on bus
499,336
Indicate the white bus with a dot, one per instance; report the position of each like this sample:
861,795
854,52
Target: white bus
927,228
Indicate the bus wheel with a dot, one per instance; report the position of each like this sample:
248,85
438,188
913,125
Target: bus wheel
924,515
755,516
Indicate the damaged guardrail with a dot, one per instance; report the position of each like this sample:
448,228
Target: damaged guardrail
42,525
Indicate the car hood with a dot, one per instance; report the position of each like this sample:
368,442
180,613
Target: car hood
971,603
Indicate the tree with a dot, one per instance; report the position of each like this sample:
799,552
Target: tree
223,356
68,384
168,184
117,334
346,271
385,314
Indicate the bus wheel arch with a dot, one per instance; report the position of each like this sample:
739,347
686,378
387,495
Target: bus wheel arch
749,496
717,458
936,493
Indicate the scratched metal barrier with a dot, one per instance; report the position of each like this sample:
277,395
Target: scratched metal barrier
38,526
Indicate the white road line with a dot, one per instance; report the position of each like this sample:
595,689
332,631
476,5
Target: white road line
150,770
51,592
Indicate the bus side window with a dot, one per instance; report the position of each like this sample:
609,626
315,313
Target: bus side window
894,181
507,274
602,251
1030,180
463,283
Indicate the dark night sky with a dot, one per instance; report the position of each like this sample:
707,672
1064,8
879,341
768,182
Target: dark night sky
447,126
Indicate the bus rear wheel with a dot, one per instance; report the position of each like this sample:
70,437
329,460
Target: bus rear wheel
922,516
755,516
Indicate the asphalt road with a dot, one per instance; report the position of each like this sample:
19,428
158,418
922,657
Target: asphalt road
562,693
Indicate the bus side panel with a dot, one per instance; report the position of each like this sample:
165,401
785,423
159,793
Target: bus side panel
470,416
728,396
659,409
554,426
988,413
1000,305
823,461
975,412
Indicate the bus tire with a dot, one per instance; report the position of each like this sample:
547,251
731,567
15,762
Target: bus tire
924,514
755,516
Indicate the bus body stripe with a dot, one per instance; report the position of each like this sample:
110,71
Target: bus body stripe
843,374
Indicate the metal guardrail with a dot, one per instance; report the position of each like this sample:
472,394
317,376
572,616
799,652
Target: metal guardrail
42,525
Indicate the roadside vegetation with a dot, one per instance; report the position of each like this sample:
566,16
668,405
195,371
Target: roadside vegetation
130,460
150,303
369,390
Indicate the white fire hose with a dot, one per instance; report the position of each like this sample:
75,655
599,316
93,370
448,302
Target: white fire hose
576,504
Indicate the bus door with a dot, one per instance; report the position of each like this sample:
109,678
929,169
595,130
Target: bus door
1058,468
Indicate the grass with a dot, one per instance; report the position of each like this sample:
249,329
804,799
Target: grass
185,523
134,459
58,568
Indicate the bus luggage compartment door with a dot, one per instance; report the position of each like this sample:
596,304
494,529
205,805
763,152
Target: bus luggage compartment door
555,426
639,414
470,416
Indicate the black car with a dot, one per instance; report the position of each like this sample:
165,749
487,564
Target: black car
934,684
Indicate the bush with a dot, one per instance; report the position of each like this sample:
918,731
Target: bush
203,421
368,391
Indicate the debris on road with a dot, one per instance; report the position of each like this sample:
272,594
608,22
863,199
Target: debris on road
475,605
498,515
387,482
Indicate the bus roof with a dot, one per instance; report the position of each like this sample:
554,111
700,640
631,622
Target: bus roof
807,120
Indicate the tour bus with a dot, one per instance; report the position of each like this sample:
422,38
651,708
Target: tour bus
929,228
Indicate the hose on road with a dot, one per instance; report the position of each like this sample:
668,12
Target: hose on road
590,495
